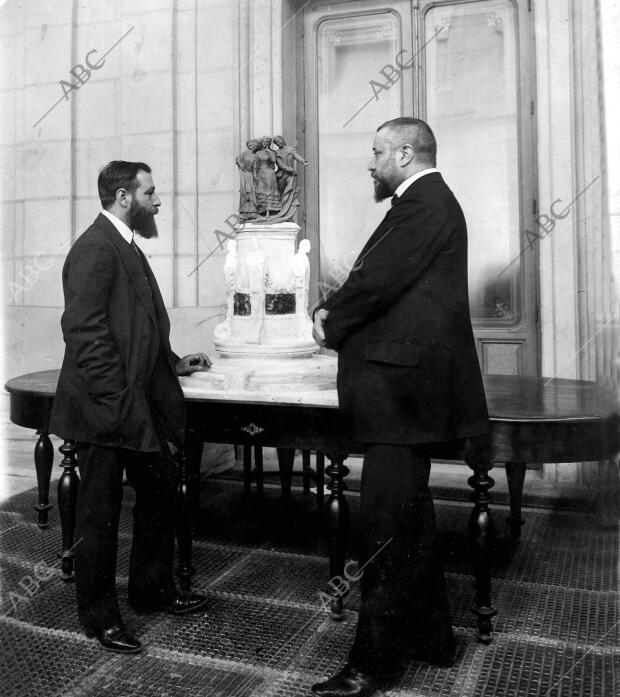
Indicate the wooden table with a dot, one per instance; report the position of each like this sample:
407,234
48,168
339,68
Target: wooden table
533,420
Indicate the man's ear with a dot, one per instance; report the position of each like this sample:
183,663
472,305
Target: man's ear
123,198
406,155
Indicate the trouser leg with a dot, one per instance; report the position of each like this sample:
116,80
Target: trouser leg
98,511
153,476
428,624
397,517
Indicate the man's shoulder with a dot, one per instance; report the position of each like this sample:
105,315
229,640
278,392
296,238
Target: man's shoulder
431,203
99,232
429,185
96,239
430,190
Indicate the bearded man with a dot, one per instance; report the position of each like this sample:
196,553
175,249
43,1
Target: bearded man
409,387
119,398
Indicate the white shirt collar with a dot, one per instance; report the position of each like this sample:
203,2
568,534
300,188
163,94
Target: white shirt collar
119,225
403,186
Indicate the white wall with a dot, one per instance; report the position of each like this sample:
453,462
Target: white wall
167,94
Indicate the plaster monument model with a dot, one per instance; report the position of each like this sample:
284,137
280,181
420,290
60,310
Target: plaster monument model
267,287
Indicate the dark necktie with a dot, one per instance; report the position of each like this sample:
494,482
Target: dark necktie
394,199
134,246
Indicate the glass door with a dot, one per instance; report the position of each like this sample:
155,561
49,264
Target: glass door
347,47
465,68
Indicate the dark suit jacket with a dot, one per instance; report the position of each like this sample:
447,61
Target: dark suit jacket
118,386
408,371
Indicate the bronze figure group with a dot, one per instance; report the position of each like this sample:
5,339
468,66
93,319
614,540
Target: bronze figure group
267,189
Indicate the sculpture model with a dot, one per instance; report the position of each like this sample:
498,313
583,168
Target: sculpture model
267,285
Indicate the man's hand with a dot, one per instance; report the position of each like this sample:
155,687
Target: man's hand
318,333
192,363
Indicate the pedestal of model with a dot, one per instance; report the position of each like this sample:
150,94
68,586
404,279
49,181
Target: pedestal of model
265,343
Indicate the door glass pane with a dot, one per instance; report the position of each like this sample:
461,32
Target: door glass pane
350,53
472,106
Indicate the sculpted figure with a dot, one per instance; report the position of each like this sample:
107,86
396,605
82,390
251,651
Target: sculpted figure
287,158
301,275
247,190
223,330
267,191
267,195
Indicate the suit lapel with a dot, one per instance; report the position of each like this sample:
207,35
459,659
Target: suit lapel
381,230
133,266
163,323
384,227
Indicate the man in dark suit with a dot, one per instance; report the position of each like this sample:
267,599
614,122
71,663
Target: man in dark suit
119,397
409,386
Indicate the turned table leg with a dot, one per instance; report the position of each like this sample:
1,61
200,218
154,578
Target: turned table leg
482,537
43,461
247,469
286,460
515,474
188,497
338,519
306,471
258,468
320,479
67,501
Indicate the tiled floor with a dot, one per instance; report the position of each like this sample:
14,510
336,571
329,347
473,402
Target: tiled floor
262,565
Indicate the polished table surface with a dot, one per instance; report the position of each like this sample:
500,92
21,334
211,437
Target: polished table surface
533,420
509,397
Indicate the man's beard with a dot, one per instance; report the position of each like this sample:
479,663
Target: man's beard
383,189
142,222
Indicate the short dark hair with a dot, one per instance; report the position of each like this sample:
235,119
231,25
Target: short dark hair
416,133
116,175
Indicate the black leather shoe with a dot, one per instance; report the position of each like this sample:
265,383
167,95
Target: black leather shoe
115,639
349,682
183,604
